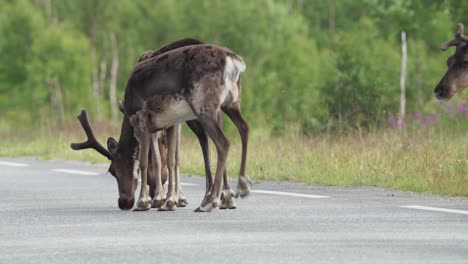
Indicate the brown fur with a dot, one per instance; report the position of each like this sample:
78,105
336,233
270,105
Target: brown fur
174,45
456,77
192,63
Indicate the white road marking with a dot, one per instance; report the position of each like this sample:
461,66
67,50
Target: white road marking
13,164
188,184
436,209
290,194
80,172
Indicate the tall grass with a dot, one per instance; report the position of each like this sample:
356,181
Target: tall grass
432,160
422,161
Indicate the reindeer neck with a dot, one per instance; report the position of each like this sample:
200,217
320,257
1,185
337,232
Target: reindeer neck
127,141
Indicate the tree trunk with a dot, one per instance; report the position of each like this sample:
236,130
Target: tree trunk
402,81
95,79
56,99
96,89
331,17
299,5
49,12
288,5
419,79
113,77
103,70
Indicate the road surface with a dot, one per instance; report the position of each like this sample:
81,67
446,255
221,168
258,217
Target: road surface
66,212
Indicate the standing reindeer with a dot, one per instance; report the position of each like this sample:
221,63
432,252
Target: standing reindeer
188,83
456,77
227,195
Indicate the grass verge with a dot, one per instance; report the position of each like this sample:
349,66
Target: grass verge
421,160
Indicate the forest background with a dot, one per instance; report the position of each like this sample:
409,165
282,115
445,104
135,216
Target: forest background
321,90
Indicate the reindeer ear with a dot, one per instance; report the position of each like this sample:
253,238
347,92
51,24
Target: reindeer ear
121,106
112,146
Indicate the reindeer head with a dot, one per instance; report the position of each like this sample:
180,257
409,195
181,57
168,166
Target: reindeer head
123,165
456,77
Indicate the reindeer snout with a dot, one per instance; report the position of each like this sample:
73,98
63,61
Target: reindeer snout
441,92
126,204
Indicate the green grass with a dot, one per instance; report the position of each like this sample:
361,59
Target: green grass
421,160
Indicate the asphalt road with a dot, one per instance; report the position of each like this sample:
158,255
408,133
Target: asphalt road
50,215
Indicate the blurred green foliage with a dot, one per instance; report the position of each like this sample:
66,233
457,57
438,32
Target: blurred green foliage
310,64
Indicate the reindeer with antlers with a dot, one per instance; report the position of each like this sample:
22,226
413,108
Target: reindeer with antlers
456,77
184,83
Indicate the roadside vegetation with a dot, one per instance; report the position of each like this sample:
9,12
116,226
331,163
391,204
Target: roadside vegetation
423,159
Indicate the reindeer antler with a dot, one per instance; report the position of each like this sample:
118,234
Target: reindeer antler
91,142
459,38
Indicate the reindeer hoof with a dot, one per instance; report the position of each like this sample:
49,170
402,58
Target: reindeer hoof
143,204
182,202
169,205
208,204
243,186
228,200
157,202
201,209
204,209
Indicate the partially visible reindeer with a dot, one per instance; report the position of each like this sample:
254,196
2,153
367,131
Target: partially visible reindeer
157,173
456,77
188,83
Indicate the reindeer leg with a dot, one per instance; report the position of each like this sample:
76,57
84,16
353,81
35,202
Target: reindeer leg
162,143
234,113
139,123
151,172
228,200
211,126
171,201
159,196
181,200
198,130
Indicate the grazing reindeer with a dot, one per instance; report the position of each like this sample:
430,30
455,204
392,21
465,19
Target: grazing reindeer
188,83
456,77
156,175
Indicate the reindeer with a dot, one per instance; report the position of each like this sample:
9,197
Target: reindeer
188,83
227,196
456,77
157,175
